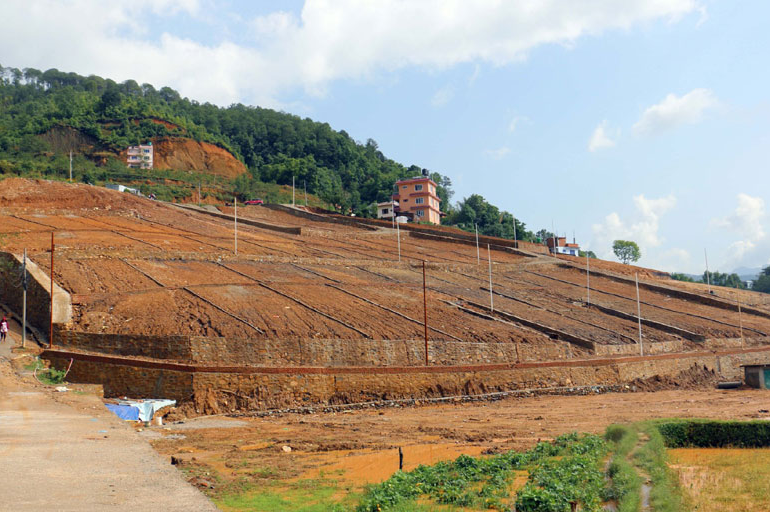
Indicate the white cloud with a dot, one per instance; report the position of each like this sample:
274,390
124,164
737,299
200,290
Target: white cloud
329,40
675,110
747,219
643,229
600,139
442,96
515,123
497,154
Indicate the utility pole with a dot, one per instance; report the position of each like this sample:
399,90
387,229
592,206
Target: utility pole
70,166
304,184
515,244
740,317
24,301
491,298
235,219
588,281
50,332
639,315
199,193
708,276
478,258
425,311
398,236
292,190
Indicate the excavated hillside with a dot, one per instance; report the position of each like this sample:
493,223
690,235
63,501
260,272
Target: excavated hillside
308,291
190,155
176,153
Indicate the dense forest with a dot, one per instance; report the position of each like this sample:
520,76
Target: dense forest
274,146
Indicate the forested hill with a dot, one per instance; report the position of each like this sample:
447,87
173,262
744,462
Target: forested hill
274,146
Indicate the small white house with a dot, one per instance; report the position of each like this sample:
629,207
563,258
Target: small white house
123,188
386,210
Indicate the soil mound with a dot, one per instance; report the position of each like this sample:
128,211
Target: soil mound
695,377
190,155
45,195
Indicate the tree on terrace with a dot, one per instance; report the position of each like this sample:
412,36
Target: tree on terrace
626,251
762,284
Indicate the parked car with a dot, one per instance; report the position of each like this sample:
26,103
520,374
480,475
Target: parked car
254,201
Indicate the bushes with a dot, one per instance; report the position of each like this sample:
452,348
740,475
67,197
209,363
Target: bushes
715,434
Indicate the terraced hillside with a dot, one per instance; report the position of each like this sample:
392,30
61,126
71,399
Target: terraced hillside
154,284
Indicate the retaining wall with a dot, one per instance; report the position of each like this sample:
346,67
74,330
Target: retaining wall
221,389
449,234
294,230
38,293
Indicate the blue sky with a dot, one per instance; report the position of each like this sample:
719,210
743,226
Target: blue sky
642,119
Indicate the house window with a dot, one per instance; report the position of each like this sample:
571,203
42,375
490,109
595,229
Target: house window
406,200
419,200
404,187
418,187
384,211
421,213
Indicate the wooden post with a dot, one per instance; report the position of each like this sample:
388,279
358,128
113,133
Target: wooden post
235,218
478,257
425,311
398,236
740,318
588,281
639,315
50,333
24,301
491,298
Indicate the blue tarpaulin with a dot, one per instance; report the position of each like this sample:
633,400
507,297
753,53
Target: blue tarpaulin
142,410
124,412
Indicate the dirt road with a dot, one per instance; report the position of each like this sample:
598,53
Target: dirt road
77,455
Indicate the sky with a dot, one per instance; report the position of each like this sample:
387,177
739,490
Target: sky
643,120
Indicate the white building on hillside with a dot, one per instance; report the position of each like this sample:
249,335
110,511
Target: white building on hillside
140,156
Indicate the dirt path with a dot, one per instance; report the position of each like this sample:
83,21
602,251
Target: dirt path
77,456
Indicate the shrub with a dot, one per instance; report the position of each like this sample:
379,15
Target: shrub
716,434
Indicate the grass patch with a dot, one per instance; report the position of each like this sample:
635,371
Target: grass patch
303,496
665,495
625,483
49,376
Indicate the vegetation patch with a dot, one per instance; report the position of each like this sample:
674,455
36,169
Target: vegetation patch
715,434
302,496
565,471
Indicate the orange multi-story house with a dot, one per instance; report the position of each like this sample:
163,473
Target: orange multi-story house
417,198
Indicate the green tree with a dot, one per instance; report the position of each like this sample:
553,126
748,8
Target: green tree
678,276
762,284
590,254
626,251
719,279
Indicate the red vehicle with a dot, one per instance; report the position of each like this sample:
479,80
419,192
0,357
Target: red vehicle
254,202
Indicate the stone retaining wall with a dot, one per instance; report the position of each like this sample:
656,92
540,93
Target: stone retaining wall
215,390
38,293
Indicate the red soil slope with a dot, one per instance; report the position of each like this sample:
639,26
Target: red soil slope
189,155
